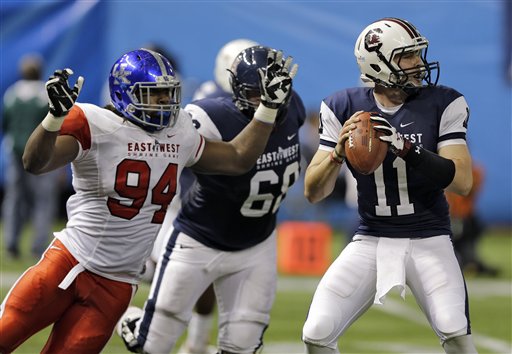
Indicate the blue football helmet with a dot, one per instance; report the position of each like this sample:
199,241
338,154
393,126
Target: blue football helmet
134,78
244,80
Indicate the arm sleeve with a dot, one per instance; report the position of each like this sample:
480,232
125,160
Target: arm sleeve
438,169
76,125
329,129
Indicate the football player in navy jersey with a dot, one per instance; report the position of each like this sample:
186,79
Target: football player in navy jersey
201,322
404,232
225,231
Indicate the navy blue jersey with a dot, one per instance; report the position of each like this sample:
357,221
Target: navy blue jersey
397,200
209,89
236,212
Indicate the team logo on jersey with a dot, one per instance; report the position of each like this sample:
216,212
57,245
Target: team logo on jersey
279,157
196,123
153,149
372,41
120,73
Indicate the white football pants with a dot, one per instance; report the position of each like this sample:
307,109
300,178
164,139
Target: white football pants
348,288
245,285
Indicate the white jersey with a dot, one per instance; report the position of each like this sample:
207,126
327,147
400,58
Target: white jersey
124,178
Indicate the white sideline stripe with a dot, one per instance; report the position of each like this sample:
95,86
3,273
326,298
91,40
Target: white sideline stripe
397,308
7,279
479,288
390,347
283,348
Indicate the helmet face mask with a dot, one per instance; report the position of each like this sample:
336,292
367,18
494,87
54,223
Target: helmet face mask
145,89
245,81
380,49
153,114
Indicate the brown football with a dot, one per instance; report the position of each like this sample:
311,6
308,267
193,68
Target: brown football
364,150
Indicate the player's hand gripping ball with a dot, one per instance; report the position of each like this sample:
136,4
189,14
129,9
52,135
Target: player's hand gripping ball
364,150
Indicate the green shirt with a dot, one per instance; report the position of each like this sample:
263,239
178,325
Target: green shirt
25,106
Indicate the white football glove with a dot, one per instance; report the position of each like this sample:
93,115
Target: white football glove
275,85
61,97
276,80
392,136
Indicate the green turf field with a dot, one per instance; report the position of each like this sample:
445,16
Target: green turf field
396,327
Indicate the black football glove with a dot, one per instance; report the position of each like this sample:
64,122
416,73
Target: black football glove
276,80
61,97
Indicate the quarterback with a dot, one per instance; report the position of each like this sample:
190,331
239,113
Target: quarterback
403,238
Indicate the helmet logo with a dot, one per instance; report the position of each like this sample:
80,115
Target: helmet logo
372,41
120,73
164,79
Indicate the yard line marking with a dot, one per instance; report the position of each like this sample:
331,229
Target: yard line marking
481,288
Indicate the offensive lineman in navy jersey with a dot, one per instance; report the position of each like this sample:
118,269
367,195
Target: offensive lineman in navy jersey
201,322
404,232
225,231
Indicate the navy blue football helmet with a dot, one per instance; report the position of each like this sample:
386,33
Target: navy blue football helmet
245,81
134,78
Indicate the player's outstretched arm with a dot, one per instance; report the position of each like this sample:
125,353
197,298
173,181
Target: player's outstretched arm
239,155
45,149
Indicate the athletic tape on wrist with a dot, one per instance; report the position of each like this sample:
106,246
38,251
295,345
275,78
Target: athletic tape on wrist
51,123
265,114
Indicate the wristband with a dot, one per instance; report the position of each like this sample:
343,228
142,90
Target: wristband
52,123
438,169
265,114
337,159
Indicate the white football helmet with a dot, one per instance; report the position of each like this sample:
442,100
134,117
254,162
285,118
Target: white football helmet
380,42
225,58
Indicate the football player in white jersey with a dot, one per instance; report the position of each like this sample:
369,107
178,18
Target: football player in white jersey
126,165
225,230
404,233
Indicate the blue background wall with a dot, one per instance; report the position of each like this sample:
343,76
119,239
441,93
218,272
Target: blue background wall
471,40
